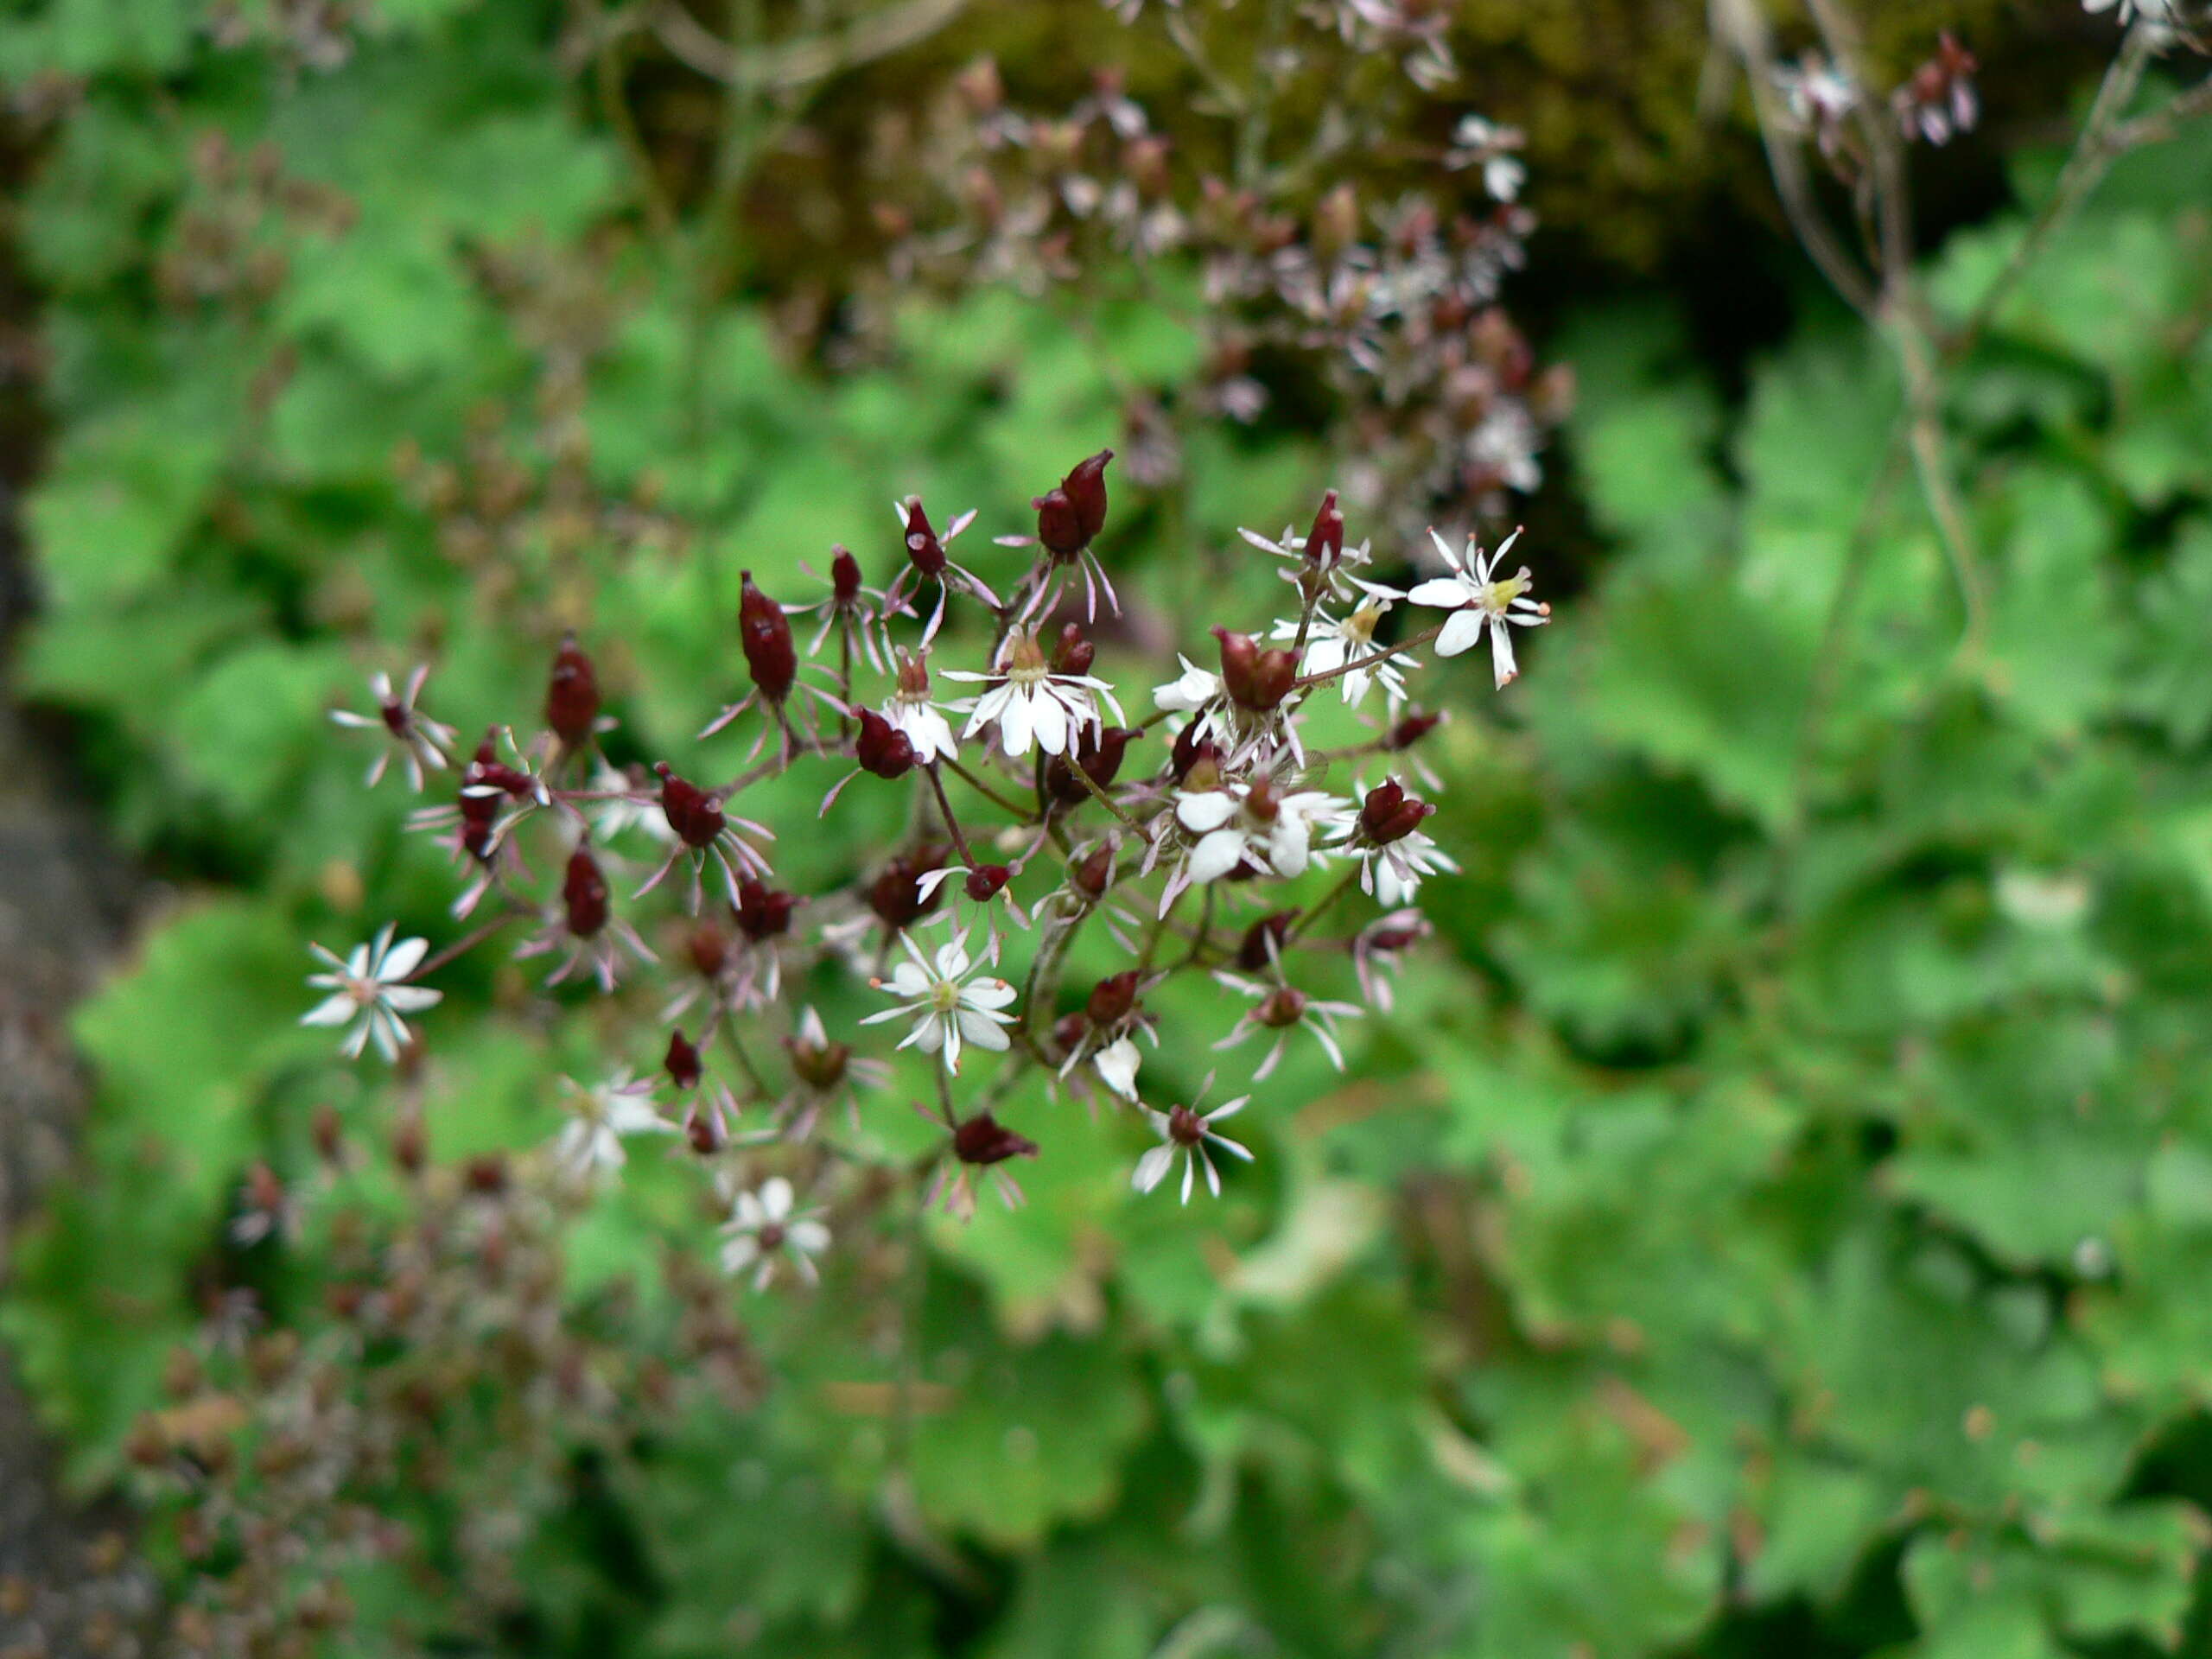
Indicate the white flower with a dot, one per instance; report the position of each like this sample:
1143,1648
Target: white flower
1330,642
764,1232
1184,1131
1193,690
2148,10
1480,143
1030,700
1248,821
1282,1009
1392,873
420,742
367,989
1117,1064
1478,598
912,711
945,1010
592,1139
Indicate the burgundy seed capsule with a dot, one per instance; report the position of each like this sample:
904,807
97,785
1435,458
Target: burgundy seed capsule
1085,489
1325,542
923,548
682,1061
1113,999
763,913
882,748
572,695
583,894
985,881
1390,814
983,1139
844,575
1263,940
1072,653
1255,678
765,632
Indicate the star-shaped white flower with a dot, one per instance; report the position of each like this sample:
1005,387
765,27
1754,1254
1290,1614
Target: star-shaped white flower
1249,821
1188,693
1332,641
946,1010
1027,700
912,711
602,1115
1186,1132
764,1232
1478,598
367,990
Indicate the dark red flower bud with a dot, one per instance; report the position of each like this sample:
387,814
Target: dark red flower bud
1101,756
1262,941
708,947
1085,489
762,912
1255,678
1113,999
486,1173
1411,729
682,1061
1325,542
821,1066
923,548
844,575
895,895
583,894
572,695
1094,872
693,815
1058,526
1285,1006
765,634
983,1139
882,748
985,881
702,1130
1390,814
1069,1031
1389,939
1192,749
1073,654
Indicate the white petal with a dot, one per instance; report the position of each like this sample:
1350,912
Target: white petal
334,1012
1460,632
1202,812
1153,1167
989,993
1117,1064
1501,656
811,1236
403,959
1444,591
410,999
1050,718
1216,855
1014,726
776,1198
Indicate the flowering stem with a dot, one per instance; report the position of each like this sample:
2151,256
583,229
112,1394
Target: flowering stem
989,794
467,941
761,1089
1344,885
1413,643
1097,794
952,823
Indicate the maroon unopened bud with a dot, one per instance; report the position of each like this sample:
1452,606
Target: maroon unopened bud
923,547
1390,814
682,1061
702,1131
765,634
762,912
1262,941
1094,872
1113,998
583,894
1100,756
1194,749
1073,654
708,947
882,748
572,695
1325,542
985,881
486,1173
844,575
1256,678
983,1139
821,1066
1058,526
1285,1006
1069,1031
895,895
1388,940
1412,727
693,815
1085,489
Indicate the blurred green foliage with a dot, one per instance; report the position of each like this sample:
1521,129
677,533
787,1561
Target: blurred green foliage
1776,1225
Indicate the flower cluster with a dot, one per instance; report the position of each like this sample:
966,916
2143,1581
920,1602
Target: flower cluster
1391,296
1041,803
